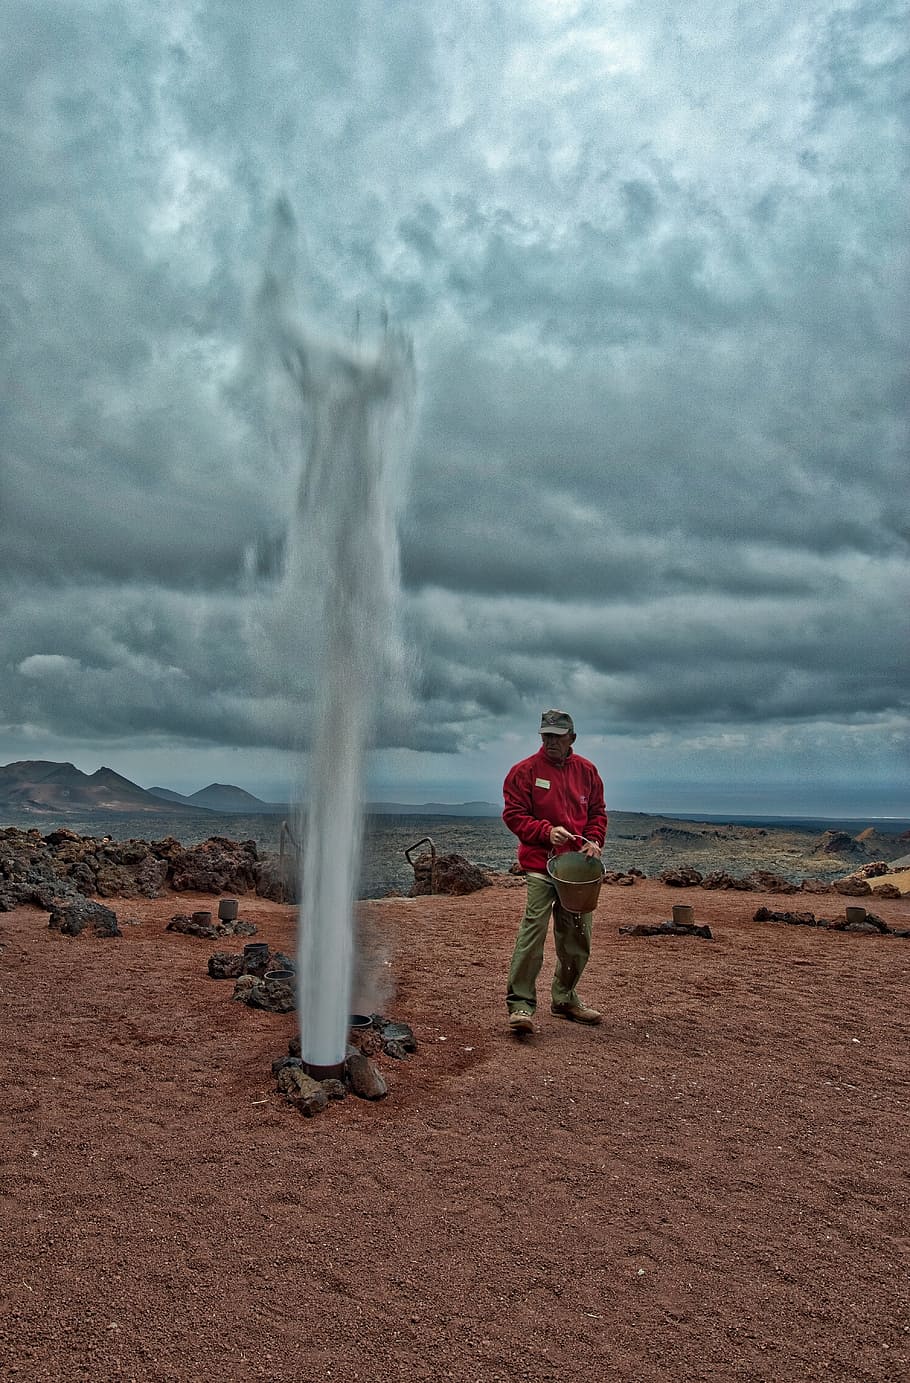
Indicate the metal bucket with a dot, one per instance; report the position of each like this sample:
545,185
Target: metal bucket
577,879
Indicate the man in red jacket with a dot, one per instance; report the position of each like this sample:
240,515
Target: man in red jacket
552,799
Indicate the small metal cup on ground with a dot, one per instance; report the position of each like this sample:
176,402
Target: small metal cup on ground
227,910
855,915
683,914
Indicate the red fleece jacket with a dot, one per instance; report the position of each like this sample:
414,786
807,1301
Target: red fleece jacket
539,795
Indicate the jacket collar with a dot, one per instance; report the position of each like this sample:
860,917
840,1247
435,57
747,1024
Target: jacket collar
542,756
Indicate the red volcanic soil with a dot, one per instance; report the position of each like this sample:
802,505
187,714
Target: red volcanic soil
713,1185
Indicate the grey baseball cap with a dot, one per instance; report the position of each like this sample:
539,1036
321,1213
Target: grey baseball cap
556,723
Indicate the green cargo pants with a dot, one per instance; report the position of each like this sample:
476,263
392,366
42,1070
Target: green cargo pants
571,935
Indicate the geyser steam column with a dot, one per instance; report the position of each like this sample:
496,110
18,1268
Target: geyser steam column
359,403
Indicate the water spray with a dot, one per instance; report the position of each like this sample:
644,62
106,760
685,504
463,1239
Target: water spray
358,400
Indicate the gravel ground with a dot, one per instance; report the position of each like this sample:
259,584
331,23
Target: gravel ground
713,1185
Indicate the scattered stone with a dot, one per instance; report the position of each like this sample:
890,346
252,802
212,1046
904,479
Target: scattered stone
684,877
621,878
719,878
196,925
271,995
335,1089
223,965
815,886
667,929
874,870
364,1078
765,881
795,919
454,875
852,887
365,1040
888,891
182,922
391,1031
870,923
74,917
307,1094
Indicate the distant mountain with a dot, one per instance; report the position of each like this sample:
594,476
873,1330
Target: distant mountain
229,799
434,809
169,795
43,788
225,797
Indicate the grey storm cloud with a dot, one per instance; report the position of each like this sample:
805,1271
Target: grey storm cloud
654,262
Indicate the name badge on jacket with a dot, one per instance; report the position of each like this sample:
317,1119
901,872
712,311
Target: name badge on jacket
541,782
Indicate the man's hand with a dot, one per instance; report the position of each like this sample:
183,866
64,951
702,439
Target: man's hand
560,836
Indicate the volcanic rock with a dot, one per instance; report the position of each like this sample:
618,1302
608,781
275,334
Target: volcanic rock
796,919
454,875
871,923
151,876
874,870
271,995
888,891
197,925
364,1078
719,878
182,922
852,887
277,878
223,965
113,881
74,917
218,865
392,1031
307,1094
668,928
766,881
684,877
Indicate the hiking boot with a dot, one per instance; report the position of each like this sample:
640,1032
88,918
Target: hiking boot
521,1021
577,1013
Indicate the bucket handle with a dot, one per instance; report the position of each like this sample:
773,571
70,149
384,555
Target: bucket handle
584,840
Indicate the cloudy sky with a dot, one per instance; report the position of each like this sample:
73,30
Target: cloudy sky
653,261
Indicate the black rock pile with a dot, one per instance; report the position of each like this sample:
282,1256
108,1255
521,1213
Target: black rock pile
668,928
361,1076
202,924
452,874
42,870
870,923
72,918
